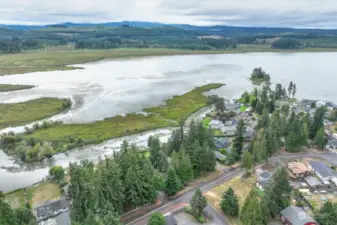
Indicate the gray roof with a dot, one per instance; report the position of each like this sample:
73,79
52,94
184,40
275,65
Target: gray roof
170,220
222,142
313,181
323,169
296,215
219,156
266,174
51,209
264,183
333,142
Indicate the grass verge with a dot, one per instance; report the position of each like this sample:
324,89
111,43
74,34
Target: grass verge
14,87
41,193
25,112
16,199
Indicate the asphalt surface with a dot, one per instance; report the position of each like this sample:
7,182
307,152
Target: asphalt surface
226,176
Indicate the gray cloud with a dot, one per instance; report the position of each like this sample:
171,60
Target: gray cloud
285,13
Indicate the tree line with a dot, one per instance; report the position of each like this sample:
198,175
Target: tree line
131,178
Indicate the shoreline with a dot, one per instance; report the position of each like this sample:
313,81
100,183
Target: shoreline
61,60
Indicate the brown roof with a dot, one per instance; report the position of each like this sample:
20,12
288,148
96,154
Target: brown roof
297,167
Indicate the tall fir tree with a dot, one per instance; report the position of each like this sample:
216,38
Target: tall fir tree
251,212
198,203
327,214
230,203
239,137
320,140
172,183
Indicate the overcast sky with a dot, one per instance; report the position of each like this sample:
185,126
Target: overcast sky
276,13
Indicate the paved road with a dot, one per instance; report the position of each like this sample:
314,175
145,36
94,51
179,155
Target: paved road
204,187
329,156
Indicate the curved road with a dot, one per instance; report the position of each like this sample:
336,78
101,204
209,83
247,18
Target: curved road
226,176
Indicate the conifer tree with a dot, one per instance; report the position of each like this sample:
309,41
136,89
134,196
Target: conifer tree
239,137
172,183
251,212
198,203
230,203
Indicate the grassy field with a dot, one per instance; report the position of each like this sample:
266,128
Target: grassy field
50,59
25,112
241,189
13,87
16,199
184,105
47,191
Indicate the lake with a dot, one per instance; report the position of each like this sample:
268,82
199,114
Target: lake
111,87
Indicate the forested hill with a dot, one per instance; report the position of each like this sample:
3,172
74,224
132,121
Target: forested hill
16,38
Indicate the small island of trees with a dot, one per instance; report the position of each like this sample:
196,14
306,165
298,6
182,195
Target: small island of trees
259,76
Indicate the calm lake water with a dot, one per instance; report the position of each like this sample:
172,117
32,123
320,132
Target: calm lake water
107,88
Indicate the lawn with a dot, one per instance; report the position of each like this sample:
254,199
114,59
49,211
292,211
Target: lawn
16,199
182,106
243,108
13,87
217,133
240,187
321,199
37,195
25,112
206,121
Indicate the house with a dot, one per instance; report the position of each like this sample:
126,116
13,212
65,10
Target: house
263,179
248,135
229,131
332,144
216,124
170,220
220,157
320,103
313,182
51,209
233,107
62,219
327,123
294,215
222,143
323,171
298,169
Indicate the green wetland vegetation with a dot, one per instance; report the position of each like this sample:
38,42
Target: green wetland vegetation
15,114
14,87
44,141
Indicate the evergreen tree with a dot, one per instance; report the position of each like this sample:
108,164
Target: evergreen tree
230,203
290,88
259,107
294,90
172,183
278,91
182,165
220,105
157,219
7,215
157,158
247,161
317,122
278,192
239,137
198,203
251,212
320,140
327,214
57,173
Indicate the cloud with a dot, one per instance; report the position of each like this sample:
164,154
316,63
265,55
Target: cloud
282,13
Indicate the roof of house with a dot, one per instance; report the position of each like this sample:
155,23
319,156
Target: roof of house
313,181
333,142
264,183
297,167
170,220
327,122
51,208
222,142
266,174
219,156
296,215
323,169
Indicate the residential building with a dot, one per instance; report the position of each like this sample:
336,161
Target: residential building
332,144
298,169
170,220
323,171
294,215
313,182
220,157
52,209
262,185
216,124
222,143
263,179
327,123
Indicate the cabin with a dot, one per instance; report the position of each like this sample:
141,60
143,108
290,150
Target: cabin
294,215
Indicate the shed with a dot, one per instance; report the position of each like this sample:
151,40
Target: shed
170,220
322,170
294,215
313,182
